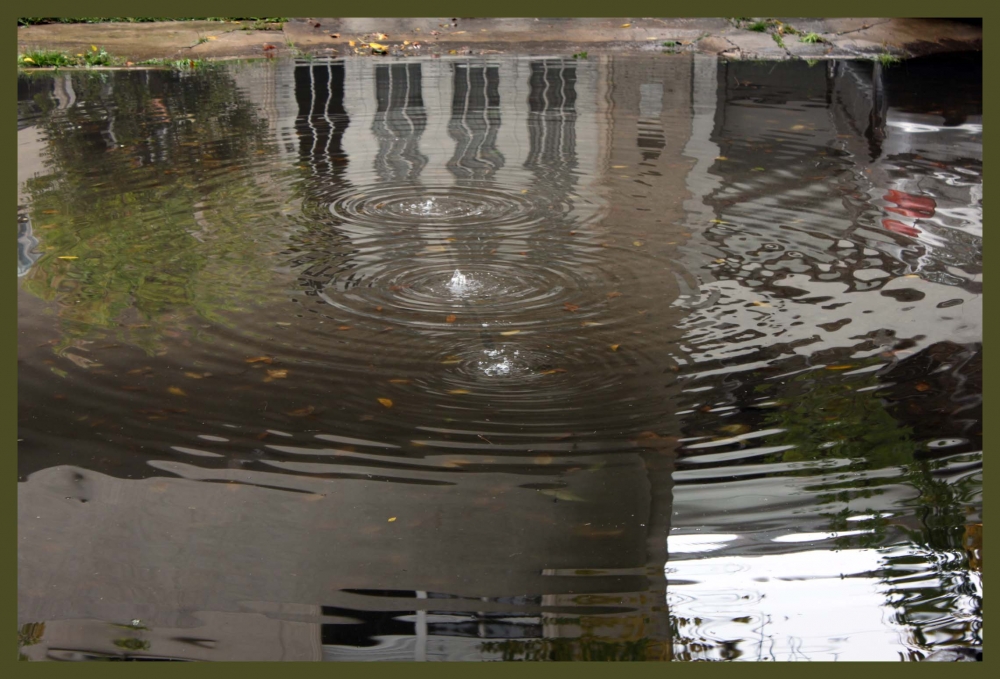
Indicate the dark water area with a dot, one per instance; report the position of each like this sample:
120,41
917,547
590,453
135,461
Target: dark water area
624,358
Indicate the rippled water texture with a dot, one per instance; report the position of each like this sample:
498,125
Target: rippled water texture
514,358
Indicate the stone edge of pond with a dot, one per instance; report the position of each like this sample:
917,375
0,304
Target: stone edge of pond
175,44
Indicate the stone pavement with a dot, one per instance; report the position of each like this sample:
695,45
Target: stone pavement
844,37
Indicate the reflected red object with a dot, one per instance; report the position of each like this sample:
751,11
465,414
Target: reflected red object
910,205
900,227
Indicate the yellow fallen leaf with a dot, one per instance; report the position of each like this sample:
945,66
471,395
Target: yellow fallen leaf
351,43
798,127
93,48
459,391
839,367
761,304
193,376
31,61
626,25
277,374
524,190
400,381
386,402
721,158
391,519
176,391
376,47
543,459
637,243
68,257
510,332
451,318
450,361
212,37
260,359
618,167
614,347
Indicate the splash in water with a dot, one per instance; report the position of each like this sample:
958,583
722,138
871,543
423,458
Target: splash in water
497,364
458,284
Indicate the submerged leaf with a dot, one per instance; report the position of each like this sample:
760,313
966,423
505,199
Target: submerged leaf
451,318
459,391
510,332
176,391
386,402
302,412
261,359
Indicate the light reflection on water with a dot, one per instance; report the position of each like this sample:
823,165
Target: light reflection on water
516,358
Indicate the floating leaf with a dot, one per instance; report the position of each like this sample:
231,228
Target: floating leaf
57,371
626,25
302,412
543,459
193,376
391,519
68,257
452,361
721,158
386,402
261,359
400,381
761,304
735,429
344,327
612,295
176,391
922,386
571,307
614,347
507,333
277,374
451,318
840,367
459,391
553,371
637,243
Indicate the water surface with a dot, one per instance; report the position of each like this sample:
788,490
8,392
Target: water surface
501,358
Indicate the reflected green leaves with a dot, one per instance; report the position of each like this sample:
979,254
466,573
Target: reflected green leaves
149,190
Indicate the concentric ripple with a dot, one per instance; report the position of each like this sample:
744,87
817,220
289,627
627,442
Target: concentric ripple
390,205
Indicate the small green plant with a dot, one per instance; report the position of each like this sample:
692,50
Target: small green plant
202,40
777,39
43,59
758,27
670,43
887,59
131,644
98,56
580,55
811,38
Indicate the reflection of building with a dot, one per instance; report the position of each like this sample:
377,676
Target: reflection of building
26,244
475,121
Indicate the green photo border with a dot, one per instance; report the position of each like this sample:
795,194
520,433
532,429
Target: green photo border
398,8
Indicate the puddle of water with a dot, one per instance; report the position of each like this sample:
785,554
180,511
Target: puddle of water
515,358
